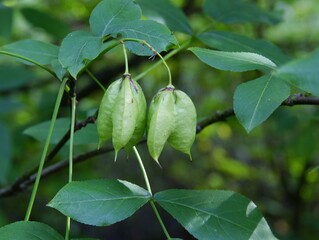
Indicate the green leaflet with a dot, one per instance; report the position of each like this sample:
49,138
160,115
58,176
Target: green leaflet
154,33
234,61
215,214
37,52
256,100
78,49
107,15
184,131
104,120
160,121
124,115
99,202
29,230
234,42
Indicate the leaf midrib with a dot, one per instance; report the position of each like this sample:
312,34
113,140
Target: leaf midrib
205,212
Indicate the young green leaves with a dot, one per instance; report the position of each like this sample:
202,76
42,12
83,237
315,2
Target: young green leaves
122,114
172,119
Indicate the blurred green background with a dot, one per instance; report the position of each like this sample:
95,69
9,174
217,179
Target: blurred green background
275,165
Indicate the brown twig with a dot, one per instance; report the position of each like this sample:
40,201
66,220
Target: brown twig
27,179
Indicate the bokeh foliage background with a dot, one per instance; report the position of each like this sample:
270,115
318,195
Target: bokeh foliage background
274,165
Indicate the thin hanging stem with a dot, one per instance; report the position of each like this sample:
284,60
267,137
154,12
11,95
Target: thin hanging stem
45,149
72,125
125,59
95,79
155,53
167,56
148,186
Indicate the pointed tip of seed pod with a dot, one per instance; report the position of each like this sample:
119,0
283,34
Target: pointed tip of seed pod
190,156
156,160
115,156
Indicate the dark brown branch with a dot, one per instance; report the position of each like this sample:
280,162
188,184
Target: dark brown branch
27,179
219,116
20,186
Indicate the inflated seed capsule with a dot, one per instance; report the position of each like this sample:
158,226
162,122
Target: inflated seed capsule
160,121
104,119
140,125
125,114
184,132
122,114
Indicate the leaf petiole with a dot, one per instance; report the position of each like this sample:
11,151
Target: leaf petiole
155,53
148,186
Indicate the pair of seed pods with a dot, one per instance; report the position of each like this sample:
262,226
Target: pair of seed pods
122,117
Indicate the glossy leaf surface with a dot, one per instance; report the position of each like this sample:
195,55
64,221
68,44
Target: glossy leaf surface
78,49
256,100
215,214
108,14
99,202
29,230
234,42
233,61
302,73
238,11
39,52
154,33
165,12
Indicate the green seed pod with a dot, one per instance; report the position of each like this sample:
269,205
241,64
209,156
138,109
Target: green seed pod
160,121
184,131
124,115
139,130
104,119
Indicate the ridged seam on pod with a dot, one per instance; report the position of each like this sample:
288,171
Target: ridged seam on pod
104,119
124,115
160,121
139,130
184,132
